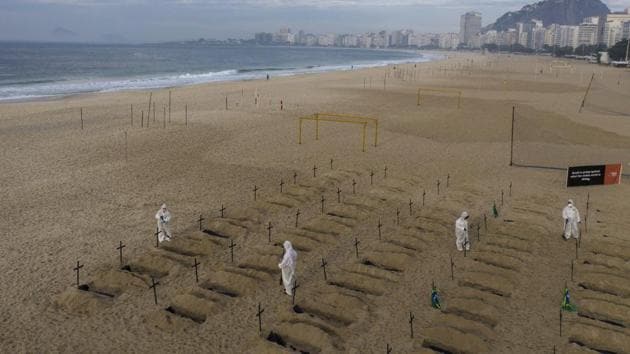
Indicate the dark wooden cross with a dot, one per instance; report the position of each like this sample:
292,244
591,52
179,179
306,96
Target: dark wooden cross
255,191
323,266
323,200
385,171
314,170
297,216
153,286
77,269
259,315
356,246
510,190
448,180
294,177
157,237
411,318
410,207
294,288
231,246
354,183
371,177
196,265
501,197
338,195
120,248
281,185
331,164
201,219
438,187
452,266
388,349
397,216
379,228
424,193
269,231
222,210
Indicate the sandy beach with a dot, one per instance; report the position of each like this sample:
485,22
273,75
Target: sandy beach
73,194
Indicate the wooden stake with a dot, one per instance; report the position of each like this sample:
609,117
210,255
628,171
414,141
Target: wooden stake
356,246
411,318
201,219
120,249
149,111
81,118
77,269
269,227
153,286
297,216
169,107
231,246
186,113
379,228
452,266
259,315
131,115
354,183
196,265
323,266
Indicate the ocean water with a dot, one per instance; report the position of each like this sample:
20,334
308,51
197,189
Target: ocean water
42,70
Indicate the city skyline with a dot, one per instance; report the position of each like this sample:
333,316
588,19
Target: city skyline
166,20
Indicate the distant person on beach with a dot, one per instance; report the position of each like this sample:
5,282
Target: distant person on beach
267,76
288,265
461,232
163,217
571,217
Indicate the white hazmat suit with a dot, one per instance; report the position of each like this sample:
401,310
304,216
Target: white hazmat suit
571,217
461,232
163,217
288,265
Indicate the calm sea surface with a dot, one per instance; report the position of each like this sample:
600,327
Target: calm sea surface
36,70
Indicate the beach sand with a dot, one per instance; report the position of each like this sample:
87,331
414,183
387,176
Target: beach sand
72,194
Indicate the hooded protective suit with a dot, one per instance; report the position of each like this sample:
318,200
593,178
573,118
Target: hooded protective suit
288,265
461,232
571,217
163,217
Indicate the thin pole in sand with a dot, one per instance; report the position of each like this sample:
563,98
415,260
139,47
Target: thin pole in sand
196,265
164,118
371,177
411,318
222,210
295,177
153,286
169,106
338,195
424,193
356,246
331,164
126,146
281,185
149,112
148,118
586,93
501,197
385,170
354,183
186,113
397,216
226,103
294,288
297,217
314,170
131,115
410,207
560,322
157,237
385,82
120,249
142,119
438,187
323,200
510,190
512,137
201,219
81,118
380,225
255,190
231,246
448,180
77,269
452,269
363,83
323,266
259,315
485,222
269,227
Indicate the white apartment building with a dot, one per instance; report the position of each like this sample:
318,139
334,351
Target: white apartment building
611,27
448,40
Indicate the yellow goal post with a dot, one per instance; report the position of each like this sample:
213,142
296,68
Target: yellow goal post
323,118
440,90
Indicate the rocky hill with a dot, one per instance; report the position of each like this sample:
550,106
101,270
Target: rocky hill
563,12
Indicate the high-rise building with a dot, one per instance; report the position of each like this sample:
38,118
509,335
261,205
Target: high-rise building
470,29
611,27
448,40
587,34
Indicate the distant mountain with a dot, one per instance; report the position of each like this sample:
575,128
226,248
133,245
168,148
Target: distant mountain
62,33
562,12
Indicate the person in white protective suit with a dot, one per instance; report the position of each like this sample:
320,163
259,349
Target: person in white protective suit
163,217
288,265
571,217
461,232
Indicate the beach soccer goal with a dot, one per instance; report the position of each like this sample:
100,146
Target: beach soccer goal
429,91
361,121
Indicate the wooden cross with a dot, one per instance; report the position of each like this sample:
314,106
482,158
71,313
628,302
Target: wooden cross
438,187
120,248
331,164
269,231
222,210
281,185
201,219
77,269
294,177
397,216
314,170
388,349
385,171
153,286
356,246
323,200
452,266
411,318
448,180
157,237
410,207
371,177
424,193
323,266
255,191
501,197
196,265
231,246
510,190
294,288
338,195
379,228
259,315
354,183
297,216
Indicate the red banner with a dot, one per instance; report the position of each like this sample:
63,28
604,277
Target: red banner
613,174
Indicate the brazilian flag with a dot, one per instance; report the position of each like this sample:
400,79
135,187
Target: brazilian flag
435,298
566,302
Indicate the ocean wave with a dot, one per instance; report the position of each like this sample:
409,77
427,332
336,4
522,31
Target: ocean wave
47,89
